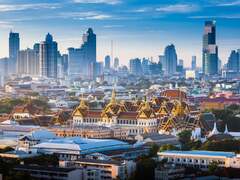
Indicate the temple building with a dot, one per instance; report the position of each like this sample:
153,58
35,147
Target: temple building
160,114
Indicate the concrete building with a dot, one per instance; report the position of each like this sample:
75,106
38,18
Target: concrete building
201,159
43,172
14,46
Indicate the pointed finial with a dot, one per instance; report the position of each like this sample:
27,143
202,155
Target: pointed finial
226,129
113,98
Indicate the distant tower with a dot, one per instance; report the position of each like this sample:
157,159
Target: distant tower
210,49
116,63
14,46
107,62
48,53
170,60
194,62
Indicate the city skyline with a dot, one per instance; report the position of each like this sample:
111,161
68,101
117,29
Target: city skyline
127,23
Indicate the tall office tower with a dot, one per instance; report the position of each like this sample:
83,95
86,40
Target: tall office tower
96,70
65,64
145,66
181,62
27,62
80,59
162,61
135,66
116,63
170,60
14,46
155,68
36,47
210,49
233,61
4,66
107,62
48,57
194,62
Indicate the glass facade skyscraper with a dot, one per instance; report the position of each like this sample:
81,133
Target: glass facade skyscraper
170,58
14,46
80,59
210,49
48,53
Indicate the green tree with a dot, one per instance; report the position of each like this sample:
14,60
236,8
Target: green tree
168,147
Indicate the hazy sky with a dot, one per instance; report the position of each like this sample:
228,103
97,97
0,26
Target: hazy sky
138,28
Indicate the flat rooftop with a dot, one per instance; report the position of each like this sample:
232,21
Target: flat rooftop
200,153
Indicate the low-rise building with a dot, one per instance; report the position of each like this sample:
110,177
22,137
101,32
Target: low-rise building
43,172
201,159
102,169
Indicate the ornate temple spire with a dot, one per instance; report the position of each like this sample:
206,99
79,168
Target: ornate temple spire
113,98
82,104
226,129
215,130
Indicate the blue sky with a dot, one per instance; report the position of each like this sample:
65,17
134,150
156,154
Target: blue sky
138,28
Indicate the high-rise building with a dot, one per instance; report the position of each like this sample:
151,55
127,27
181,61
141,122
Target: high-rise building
48,53
135,66
145,66
170,60
28,62
96,70
155,68
116,63
14,46
107,62
233,61
194,63
210,49
80,59
181,62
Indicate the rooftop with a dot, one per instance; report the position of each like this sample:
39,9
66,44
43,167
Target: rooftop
200,153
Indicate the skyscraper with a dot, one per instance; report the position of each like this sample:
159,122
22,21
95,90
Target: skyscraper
80,59
48,57
27,62
210,49
233,61
170,60
194,62
145,66
14,46
116,63
135,66
107,62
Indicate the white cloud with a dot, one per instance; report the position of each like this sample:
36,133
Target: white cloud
90,15
178,8
5,25
235,16
111,2
113,26
21,7
232,3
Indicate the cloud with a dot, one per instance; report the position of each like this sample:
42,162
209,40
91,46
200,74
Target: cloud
90,15
235,16
232,3
178,8
111,2
22,7
113,26
5,25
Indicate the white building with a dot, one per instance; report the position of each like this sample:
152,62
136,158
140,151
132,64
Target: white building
201,159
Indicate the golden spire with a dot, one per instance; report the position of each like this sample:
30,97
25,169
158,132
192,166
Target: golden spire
82,104
146,104
113,98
